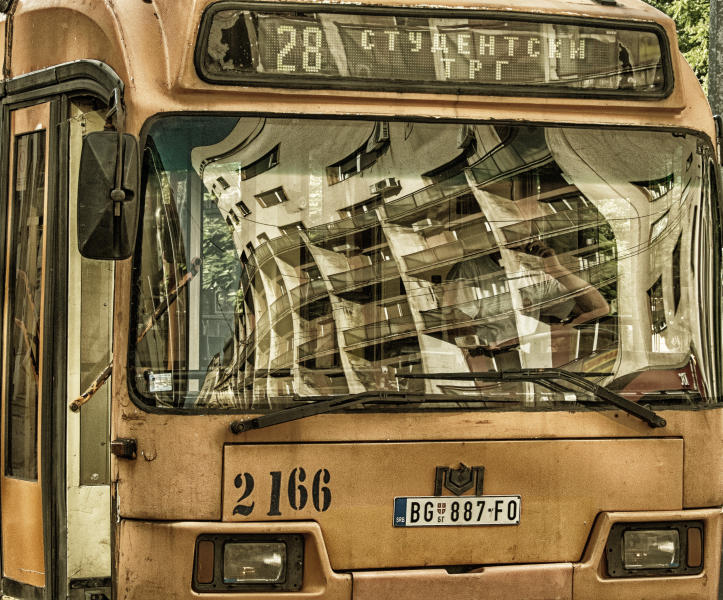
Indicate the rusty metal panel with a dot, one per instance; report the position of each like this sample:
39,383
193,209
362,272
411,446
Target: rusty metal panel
147,573
531,582
151,488
590,575
349,489
703,458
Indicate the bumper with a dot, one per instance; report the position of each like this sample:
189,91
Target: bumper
156,560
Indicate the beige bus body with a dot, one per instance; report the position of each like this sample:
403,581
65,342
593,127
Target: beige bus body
588,469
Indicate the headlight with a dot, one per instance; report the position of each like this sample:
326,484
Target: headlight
651,549
655,549
254,562
249,563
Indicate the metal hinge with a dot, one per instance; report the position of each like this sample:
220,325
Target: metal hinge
124,448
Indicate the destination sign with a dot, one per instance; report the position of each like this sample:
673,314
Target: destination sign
311,47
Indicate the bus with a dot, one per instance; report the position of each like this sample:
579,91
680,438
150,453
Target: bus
357,301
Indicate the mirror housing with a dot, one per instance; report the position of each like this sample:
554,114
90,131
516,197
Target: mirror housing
107,212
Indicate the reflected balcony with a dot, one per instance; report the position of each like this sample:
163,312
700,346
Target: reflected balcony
421,200
543,296
308,292
468,314
286,243
451,252
392,328
520,154
263,254
600,273
323,343
263,325
388,374
263,355
328,233
577,215
325,381
363,276
275,247
282,361
280,307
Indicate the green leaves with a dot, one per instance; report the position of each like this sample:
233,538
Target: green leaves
692,18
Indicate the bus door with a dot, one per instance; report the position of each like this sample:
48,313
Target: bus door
26,359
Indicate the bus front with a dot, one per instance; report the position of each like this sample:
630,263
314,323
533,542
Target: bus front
425,303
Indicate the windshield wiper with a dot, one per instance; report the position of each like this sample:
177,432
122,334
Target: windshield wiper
317,405
547,378
159,311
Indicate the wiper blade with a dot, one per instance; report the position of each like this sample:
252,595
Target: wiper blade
318,405
547,377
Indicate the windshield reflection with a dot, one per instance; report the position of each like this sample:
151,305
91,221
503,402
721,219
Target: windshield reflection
339,256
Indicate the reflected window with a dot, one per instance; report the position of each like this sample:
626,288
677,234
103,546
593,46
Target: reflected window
261,165
657,306
243,209
275,196
676,274
362,158
658,188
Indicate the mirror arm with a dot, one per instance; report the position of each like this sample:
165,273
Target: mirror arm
118,195
116,110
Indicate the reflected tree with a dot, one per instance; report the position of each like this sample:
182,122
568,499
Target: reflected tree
692,18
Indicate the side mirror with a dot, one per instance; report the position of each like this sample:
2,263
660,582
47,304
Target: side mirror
108,204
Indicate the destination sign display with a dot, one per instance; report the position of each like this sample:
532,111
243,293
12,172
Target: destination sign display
310,47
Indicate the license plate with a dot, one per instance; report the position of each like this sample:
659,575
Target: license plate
426,511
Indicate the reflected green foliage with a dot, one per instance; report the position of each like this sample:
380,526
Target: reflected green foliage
692,18
221,267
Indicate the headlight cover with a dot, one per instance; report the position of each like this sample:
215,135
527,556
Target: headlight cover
248,563
651,549
254,562
654,549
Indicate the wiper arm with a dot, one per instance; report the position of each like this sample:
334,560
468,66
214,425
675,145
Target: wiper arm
547,377
318,405
160,310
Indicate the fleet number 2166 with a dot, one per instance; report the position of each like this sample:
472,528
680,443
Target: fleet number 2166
294,489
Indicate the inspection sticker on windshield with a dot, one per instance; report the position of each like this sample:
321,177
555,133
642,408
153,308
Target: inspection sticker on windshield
431,511
159,382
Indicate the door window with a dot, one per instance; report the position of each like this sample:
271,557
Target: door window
25,301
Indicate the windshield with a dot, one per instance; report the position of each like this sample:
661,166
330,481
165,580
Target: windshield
284,258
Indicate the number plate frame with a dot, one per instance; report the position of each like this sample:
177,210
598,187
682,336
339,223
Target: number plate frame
415,511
